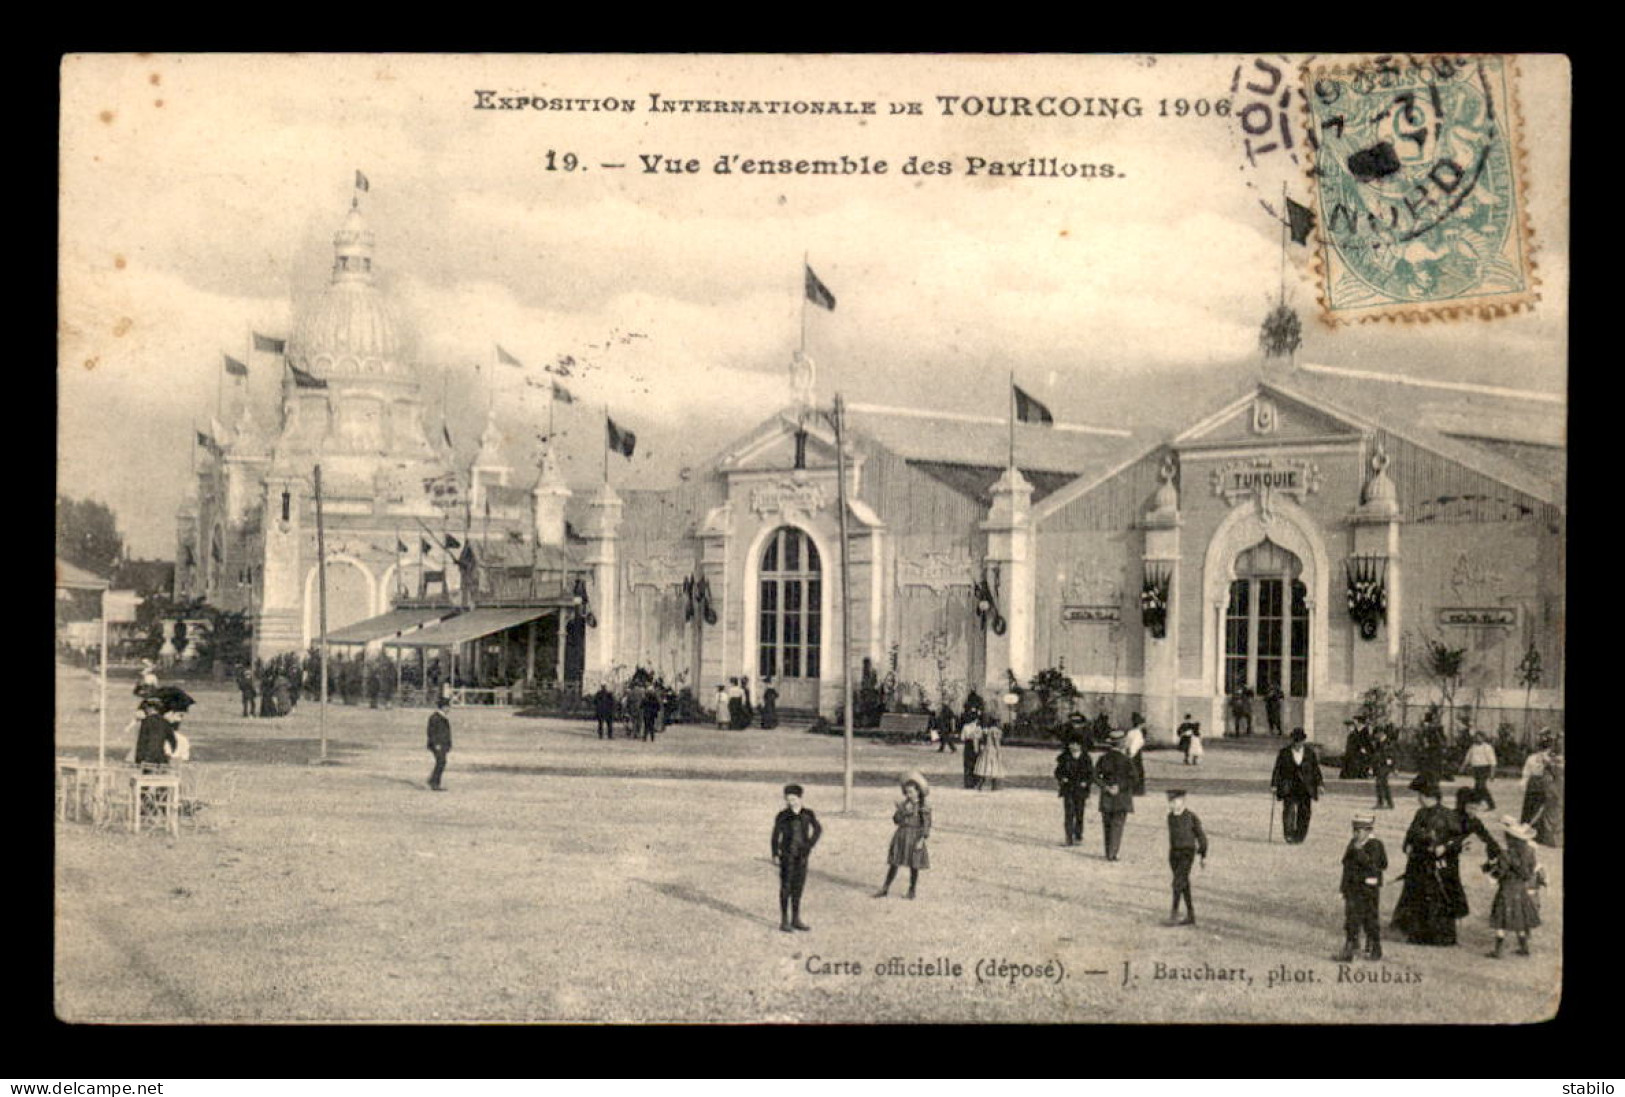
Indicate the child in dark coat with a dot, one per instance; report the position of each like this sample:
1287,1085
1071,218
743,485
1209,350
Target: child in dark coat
796,831
1364,862
1517,898
1186,842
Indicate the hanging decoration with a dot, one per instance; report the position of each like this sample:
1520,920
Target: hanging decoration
1367,592
1154,597
583,603
987,604
697,596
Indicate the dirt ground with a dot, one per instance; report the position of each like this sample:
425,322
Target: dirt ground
565,878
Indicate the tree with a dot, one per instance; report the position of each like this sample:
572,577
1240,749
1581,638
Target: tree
87,535
1444,665
1530,673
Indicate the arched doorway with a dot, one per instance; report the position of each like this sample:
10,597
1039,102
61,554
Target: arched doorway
1266,633
349,596
789,625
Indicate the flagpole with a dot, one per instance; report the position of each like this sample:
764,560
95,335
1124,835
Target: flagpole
1285,220
846,608
1012,421
606,444
321,587
220,387
806,265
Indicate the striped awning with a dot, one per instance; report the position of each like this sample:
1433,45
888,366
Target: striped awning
470,626
393,623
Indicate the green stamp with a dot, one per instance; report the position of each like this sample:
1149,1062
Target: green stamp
1417,174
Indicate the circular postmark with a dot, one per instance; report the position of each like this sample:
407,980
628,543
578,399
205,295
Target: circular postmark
1415,165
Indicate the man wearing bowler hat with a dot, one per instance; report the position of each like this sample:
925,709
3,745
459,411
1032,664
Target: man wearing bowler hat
1074,774
1296,783
1114,773
439,740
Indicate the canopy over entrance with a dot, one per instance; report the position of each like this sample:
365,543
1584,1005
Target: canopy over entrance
471,626
390,624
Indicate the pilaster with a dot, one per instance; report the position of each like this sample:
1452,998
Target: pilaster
601,531
1161,558
1010,573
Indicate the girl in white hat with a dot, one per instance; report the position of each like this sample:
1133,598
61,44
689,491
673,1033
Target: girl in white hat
913,819
1517,899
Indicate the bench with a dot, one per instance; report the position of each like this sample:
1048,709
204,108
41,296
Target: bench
904,727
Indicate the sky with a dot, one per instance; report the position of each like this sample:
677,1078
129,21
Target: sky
199,195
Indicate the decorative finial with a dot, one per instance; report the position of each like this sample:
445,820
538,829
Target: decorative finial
1282,333
1380,493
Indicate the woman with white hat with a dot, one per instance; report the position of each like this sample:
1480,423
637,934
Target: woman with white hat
913,819
1517,899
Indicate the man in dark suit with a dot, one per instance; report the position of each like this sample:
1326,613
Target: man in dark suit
1114,773
1296,783
603,707
245,687
651,714
796,831
439,741
1074,774
1273,697
1364,862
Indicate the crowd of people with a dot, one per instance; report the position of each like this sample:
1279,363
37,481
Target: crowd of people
1432,899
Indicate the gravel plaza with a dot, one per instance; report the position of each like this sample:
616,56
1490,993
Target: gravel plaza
564,878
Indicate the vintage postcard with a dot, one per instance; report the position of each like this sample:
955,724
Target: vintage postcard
811,538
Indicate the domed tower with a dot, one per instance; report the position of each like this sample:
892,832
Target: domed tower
351,403
354,403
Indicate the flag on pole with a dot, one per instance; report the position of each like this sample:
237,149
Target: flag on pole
1029,410
424,546
817,292
306,380
361,183
562,394
452,543
507,359
208,443
1300,221
234,367
620,441
445,432
400,547
264,344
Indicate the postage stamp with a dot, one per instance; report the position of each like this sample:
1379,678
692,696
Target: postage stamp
1418,173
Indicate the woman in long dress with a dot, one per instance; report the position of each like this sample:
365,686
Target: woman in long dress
1469,824
1425,912
990,757
1549,824
913,819
1517,898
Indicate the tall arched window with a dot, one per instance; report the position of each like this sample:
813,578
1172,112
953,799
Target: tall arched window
790,634
1266,624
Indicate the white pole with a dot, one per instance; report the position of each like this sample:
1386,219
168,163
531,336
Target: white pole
846,606
101,708
321,587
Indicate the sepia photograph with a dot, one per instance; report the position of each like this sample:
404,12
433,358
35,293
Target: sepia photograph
784,538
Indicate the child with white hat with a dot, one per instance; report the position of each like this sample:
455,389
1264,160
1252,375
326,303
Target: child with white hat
1517,899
